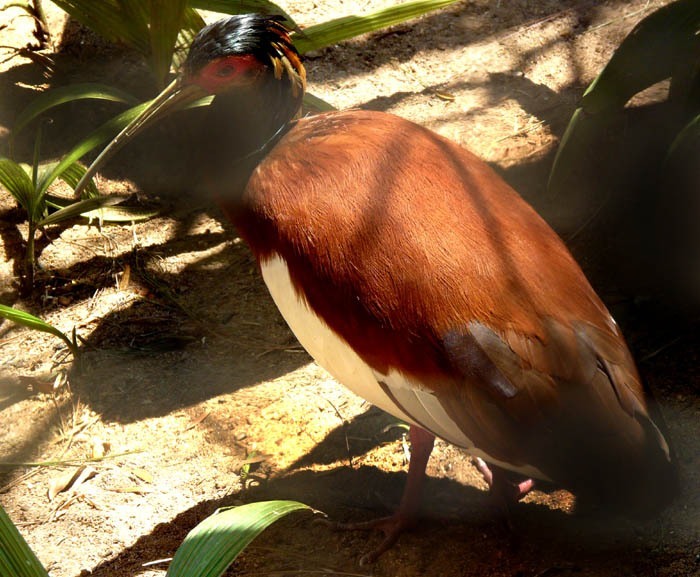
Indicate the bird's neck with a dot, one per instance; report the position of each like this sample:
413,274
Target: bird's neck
240,130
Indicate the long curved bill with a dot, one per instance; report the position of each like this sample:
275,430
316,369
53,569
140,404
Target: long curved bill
174,97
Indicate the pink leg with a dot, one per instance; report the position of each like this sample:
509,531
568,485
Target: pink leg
501,483
405,516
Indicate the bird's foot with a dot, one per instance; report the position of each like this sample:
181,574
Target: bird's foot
407,513
502,485
391,526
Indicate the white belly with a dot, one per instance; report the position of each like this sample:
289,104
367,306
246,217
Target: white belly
340,360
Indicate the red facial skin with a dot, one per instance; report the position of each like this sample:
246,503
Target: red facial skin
220,74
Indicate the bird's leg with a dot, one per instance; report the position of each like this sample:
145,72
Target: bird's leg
405,517
503,487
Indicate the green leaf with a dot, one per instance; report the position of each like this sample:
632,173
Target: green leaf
192,23
316,103
16,557
685,138
581,137
135,19
152,30
244,7
36,205
17,182
36,155
214,544
116,20
32,322
116,213
80,208
97,137
64,94
110,129
102,134
334,31
72,175
663,44
121,214
652,52
166,19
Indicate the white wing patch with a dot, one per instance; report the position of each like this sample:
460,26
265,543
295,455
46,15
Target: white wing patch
327,349
393,393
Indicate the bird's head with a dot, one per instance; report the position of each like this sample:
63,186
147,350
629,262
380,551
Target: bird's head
239,52
243,53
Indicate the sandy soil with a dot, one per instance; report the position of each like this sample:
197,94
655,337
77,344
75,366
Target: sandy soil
192,393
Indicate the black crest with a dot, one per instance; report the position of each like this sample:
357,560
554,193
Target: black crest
254,34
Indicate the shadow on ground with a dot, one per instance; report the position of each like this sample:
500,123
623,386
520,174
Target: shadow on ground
456,518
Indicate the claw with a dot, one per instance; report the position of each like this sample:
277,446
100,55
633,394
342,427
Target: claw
405,517
391,526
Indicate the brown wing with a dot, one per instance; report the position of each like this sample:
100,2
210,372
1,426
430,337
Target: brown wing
595,436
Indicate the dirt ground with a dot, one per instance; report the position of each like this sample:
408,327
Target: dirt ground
191,392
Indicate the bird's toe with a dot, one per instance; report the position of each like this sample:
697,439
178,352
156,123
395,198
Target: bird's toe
391,527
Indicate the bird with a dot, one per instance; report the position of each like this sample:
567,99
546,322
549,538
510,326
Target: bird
419,279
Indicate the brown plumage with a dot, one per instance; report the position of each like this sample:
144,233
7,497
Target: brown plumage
421,280
435,268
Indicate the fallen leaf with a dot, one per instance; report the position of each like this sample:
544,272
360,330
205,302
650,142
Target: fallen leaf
63,482
70,480
142,474
134,489
99,448
445,96
197,421
126,276
255,459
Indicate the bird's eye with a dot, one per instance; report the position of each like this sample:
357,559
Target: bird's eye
227,73
226,70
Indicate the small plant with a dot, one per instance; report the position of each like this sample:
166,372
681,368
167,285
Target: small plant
159,30
664,45
32,322
162,31
627,175
144,27
29,185
207,550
